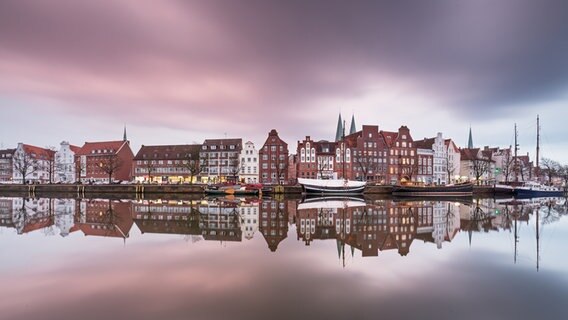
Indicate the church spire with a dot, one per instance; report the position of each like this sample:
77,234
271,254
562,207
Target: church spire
470,140
353,128
124,138
339,131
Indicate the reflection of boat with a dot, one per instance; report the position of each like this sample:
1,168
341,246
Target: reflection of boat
465,189
331,203
532,189
332,186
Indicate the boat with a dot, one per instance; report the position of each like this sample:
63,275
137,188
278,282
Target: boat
233,189
532,189
464,189
332,186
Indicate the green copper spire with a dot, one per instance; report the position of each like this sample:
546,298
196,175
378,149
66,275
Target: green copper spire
339,131
124,135
470,141
353,128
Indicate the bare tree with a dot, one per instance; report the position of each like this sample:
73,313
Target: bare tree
25,164
49,164
508,164
408,169
563,173
192,164
481,166
109,164
150,167
550,168
281,166
450,169
366,164
234,167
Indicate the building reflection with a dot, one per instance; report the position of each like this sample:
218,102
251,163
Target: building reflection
356,225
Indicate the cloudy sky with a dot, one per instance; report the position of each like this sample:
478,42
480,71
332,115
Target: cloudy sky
183,71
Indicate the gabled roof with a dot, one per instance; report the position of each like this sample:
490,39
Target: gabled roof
38,151
389,136
101,148
215,142
425,143
449,142
167,152
75,149
469,154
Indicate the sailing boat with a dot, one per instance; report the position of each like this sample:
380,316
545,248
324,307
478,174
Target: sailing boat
333,186
531,189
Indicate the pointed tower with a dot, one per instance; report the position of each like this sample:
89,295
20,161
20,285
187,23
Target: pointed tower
339,131
470,140
353,128
124,135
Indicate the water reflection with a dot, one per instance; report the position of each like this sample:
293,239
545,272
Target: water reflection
369,226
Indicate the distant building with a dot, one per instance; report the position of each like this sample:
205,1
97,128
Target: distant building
292,167
95,159
220,159
439,169
370,154
6,164
273,160
65,167
249,163
477,166
33,164
402,156
453,163
167,163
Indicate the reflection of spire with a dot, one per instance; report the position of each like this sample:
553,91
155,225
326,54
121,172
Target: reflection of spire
469,234
339,131
338,248
470,140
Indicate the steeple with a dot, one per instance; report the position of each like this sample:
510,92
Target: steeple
353,128
124,135
470,140
339,131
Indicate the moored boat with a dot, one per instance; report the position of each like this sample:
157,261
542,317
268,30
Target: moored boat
332,186
465,189
531,189
234,189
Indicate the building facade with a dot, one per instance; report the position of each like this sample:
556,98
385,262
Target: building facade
249,163
33,164
167,164
453,161
402,156
6,165
100,161
65,163
273,160
220,160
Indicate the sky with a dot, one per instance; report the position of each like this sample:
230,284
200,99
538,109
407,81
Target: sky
184,71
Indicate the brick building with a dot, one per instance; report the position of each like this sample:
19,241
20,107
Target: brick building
402,156
370,154
316,159
96,161
167,164
273,160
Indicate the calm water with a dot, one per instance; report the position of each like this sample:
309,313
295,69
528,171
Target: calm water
282,259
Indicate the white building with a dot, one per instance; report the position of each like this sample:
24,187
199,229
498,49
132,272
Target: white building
64,219
249,219
440,168
249,163
33,164
65,163
453,161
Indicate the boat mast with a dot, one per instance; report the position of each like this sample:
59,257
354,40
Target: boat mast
537,146
344,147
515,164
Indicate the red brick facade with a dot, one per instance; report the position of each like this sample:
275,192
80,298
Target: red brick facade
93,156
273,160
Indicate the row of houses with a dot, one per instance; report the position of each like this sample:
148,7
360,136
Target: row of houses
369,154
